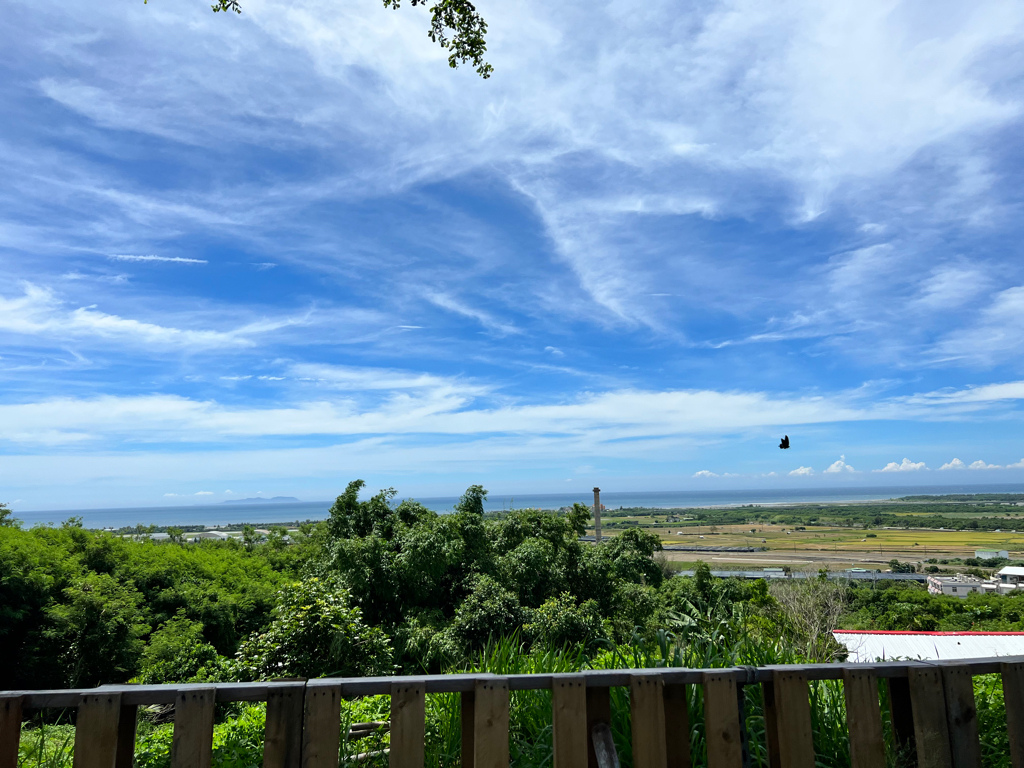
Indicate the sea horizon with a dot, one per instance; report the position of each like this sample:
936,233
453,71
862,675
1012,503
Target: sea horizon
239,513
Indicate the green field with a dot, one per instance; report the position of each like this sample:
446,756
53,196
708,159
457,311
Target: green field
867,534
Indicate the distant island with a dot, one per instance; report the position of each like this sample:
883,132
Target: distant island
275,500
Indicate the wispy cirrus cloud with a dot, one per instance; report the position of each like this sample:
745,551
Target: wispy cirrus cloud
39,312
410,403
484,318
168,259
363,379
997,331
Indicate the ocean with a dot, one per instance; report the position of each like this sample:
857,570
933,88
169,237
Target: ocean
290,512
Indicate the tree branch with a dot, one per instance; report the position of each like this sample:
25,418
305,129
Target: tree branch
455,25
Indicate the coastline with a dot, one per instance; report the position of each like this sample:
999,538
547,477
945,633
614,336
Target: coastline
267,512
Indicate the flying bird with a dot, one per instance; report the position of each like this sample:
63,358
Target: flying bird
785,442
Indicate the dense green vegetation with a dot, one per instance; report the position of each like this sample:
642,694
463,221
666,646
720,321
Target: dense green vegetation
913,608
77,607
380,588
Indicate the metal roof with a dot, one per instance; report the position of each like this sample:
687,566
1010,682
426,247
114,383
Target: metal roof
1011,570
868,646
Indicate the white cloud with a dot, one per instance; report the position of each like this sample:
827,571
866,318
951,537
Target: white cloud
705,473
953,464
171,259
814,98
905,466
801,472
380,401
839,466
203,493
952,286
364,379
979,464
486,319
39,312
997,332
987,393
555,351
1016,465
818,101
421,404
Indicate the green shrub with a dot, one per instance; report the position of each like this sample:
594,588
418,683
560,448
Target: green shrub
177,652
561,622
315,633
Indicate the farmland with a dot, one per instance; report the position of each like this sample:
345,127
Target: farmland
835,536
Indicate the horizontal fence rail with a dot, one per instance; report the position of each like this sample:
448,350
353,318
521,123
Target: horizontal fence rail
932,707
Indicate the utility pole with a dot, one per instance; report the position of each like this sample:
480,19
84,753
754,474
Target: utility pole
597,515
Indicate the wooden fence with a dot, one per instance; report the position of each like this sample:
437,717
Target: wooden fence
932,706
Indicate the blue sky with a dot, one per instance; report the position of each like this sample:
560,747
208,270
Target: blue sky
275,252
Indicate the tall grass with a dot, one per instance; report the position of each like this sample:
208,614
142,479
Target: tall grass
46,745
530,740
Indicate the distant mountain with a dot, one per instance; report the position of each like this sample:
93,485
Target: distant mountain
257,499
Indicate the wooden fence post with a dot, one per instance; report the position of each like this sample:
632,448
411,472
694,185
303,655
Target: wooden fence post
96,730
792,700
1013,699
647,716
490,723
722,728
10,729
408,724
961,717
321,728
192,743
931,731
569,721
282,740
864,719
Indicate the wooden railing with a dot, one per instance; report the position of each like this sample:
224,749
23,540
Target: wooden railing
933,715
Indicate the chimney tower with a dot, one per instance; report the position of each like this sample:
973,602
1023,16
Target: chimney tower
597,515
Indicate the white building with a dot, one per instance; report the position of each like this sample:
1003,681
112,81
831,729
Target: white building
988,554
866,646
1009,578
960,585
